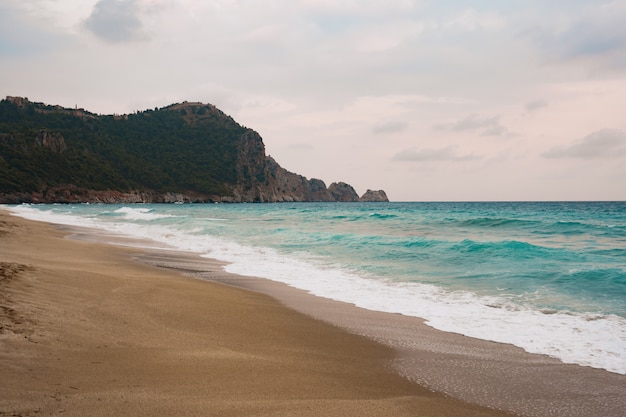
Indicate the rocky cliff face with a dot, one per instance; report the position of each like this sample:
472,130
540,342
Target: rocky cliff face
261,179
340,191
374,196
54,141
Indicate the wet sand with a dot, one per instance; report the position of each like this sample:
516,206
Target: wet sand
86,329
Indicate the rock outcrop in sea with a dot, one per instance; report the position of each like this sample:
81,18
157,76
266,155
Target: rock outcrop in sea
374,196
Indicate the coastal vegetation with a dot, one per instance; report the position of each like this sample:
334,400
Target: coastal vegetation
180,148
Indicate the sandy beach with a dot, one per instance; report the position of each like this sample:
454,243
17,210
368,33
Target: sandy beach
87,330
495,375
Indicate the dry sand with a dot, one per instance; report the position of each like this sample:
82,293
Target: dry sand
85,330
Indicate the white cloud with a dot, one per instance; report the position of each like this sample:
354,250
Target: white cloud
535,105
360,8
115,20
471,20
29,29
55,16
605,143
429,155
597,33
393,126
486,126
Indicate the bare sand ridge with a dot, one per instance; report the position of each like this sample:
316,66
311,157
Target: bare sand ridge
87,331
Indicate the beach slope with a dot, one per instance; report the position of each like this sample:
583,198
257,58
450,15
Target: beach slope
85,330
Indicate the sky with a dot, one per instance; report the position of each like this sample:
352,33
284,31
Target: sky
428,100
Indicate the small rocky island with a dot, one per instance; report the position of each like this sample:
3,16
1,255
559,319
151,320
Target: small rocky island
185,152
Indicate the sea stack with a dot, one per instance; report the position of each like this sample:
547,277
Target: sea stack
378,196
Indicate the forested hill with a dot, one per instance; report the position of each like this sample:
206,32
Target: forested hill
189,152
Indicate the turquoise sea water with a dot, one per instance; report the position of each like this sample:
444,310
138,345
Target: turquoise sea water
548,277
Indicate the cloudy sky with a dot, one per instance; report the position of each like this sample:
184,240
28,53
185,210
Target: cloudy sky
428,100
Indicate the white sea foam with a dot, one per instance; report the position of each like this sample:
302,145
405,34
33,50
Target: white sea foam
586,339
590,340
132,213
29,212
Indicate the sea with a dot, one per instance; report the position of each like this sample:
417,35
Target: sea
549,277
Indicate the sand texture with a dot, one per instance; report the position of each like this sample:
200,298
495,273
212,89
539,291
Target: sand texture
86,330
495,375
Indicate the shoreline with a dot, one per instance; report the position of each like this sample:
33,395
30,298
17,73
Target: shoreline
475,371
85,329
490,374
